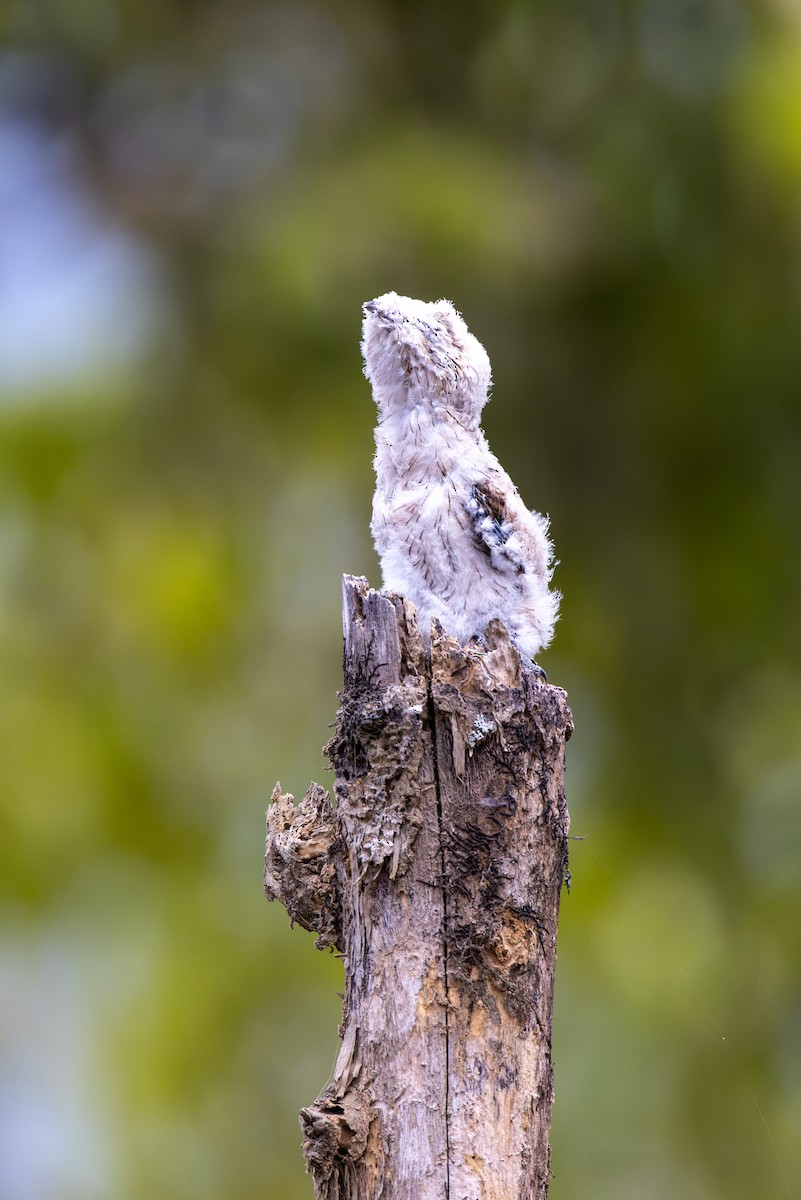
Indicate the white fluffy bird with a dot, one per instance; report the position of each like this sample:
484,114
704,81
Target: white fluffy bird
451,531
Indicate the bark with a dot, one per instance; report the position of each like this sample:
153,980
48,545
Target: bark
438,877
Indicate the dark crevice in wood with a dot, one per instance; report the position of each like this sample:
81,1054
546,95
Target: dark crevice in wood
432,718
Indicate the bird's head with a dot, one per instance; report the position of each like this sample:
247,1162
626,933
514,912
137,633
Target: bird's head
419,353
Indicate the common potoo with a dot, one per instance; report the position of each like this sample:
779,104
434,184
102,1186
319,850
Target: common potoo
452,533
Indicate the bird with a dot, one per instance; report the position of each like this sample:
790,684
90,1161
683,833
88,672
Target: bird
450,528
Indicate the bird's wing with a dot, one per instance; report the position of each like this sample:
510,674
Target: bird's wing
495,528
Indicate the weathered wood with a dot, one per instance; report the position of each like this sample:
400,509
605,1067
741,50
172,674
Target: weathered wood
438,876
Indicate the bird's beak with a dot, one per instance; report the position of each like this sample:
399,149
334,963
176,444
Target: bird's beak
370,308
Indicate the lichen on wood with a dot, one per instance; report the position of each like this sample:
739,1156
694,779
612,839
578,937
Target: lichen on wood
438,876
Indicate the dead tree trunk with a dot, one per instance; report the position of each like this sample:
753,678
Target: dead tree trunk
438,876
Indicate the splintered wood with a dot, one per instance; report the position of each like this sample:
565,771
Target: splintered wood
438,876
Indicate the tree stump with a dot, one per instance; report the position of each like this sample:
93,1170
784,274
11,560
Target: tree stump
438,876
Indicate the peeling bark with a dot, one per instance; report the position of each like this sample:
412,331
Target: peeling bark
438,876
300,864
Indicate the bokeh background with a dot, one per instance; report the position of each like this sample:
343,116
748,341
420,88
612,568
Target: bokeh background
195,199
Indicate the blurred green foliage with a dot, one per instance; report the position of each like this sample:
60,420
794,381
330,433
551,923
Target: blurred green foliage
610,192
